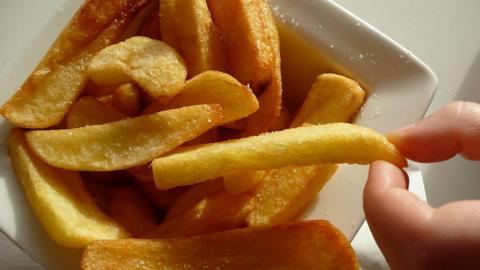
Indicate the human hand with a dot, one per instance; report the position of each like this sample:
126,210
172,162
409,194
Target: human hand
410,233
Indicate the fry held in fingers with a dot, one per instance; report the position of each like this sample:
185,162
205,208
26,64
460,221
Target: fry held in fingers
332,143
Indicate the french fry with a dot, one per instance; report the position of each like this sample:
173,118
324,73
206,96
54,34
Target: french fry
283,121
299,245
190,198
218,212
332,143
284,193
133,211
89,111
126,99
152,64
249,33
59,199
240,182
237,101
332,98
187,26
44,104
212,135
162,199
125,143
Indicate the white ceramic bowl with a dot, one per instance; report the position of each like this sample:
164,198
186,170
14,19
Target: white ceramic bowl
400,89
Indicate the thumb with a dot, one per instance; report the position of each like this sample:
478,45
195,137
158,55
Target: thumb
396,217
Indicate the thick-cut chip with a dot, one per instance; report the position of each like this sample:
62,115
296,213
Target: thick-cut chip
126,99
191,197
237,101
89,111
284,193
152,64
332,143
330,92
218,212
240,182
59,199
132,210
250,37
187,26
47,102
299,245
125,143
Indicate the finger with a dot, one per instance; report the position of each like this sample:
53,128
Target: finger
396,217
453,129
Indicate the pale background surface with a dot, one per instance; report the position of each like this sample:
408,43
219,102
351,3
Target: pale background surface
443,33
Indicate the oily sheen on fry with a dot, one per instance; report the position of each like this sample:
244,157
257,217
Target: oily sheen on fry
125,143
332,143
300,245
59,199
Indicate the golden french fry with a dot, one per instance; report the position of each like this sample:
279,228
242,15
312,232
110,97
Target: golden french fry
218,212
332,143
285,192
152,64
59,199
212,135
162,199
192,197
237,101
47,102
243,181
89,111
132,210
251,38
283,121
299,245
126,99
188,27
328,92
125,143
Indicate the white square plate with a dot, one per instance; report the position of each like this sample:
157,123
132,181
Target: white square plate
400,89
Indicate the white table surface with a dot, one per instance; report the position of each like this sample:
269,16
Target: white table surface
443,33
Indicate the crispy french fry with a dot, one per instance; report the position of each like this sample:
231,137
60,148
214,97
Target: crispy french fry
125,143
152,64
237,101
283,121
126,99
89,111
162,199
285,192
240,182
332,143
250,37
44,104
188,27
329,92
299,245
190,198
210,136
97,91
218,212
59,199
132,210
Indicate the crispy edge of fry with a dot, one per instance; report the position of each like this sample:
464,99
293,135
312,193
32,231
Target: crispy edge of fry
38,178
51,145
133,211
188,26
313,244
26,107
307,145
